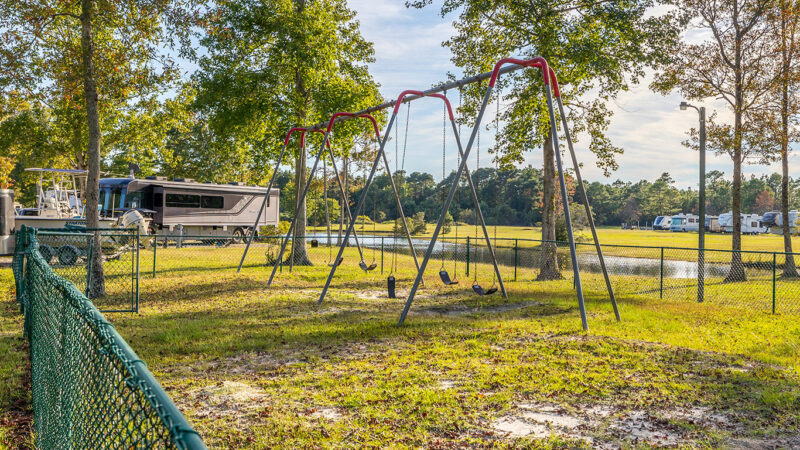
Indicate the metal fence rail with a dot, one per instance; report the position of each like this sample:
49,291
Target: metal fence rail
652,273
89,389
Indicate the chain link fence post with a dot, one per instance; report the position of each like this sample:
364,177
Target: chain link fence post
155,249
516,259
138,249
661,276
467,255
382,238
774,279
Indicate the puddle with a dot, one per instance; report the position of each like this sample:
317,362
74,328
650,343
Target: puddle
516,427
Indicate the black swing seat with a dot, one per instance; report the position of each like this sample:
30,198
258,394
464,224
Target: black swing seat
367,268
390,286
336,263
446,278
479,290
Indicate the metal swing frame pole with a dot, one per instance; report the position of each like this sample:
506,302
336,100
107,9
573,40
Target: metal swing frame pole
475,200
584,197
562,182
362,198
290,232
344,200
446,206
480,213
540,63
269,190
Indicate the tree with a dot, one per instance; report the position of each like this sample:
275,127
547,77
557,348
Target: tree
785,20
272,65
764,203
662,196
602,47
733,65
90,57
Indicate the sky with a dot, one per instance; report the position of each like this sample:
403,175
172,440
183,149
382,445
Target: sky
648,126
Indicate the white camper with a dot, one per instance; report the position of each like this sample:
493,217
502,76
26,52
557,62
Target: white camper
774,222
662,223
751,223
685,222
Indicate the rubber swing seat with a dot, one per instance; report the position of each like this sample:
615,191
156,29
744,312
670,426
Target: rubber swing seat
446,278
479,290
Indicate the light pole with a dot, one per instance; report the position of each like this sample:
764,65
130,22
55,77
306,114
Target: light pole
701,240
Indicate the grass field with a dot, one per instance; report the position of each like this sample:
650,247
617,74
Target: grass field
254,366
615,236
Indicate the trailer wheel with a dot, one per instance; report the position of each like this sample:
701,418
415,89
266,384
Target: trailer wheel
238,235
68,255
47,252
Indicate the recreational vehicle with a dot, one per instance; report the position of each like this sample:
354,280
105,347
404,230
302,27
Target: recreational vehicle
712,224
662,223
774,222
202,209
684,222
751,223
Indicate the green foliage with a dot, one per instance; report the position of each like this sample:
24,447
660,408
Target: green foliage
417,223
270,66
447,225
597,47
6,166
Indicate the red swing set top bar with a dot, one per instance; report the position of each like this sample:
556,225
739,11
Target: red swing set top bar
505,65
335,118
420,94
303,132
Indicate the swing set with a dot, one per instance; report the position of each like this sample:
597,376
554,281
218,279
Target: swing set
502,67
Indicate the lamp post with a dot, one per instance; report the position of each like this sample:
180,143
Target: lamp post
701,240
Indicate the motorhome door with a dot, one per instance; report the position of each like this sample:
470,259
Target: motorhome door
158,205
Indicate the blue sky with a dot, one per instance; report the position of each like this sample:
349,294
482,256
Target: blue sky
648,126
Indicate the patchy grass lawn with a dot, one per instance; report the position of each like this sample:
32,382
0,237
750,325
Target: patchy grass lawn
254,366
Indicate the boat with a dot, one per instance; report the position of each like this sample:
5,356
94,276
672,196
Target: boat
59,201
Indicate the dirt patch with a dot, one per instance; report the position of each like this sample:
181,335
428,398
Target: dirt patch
604,427
227,398
328,414
463,310
642,428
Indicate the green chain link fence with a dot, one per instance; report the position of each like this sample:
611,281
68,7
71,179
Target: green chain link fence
68,252
89,389
653,273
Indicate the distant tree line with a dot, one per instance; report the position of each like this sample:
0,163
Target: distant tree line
513,197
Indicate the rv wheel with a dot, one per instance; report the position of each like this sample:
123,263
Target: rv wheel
47,252
238,235
68,255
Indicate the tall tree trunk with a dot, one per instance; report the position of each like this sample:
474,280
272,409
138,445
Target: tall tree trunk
549,256
299,255
789,268
97,285
736,272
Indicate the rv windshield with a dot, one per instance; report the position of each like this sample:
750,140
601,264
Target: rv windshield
111,198
677,221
